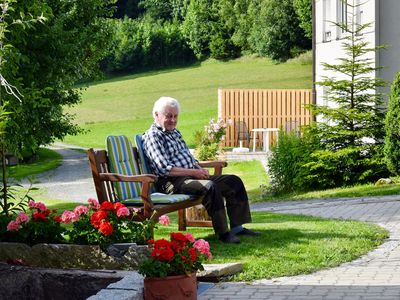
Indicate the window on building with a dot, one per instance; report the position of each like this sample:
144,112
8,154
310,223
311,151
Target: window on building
327,20
359,13
341,16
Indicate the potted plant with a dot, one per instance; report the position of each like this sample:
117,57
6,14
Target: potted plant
170,271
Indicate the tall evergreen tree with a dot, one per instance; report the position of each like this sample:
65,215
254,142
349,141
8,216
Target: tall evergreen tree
350,126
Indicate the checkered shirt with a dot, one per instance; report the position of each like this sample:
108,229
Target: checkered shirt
165,150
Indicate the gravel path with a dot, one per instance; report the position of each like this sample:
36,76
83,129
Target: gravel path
71,181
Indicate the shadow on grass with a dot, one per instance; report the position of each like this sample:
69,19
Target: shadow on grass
291,244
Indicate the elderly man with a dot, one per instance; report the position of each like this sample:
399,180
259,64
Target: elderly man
179,172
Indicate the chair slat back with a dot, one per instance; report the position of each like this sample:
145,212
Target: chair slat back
121,160
143,159
98,164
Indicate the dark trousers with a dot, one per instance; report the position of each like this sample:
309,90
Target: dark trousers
214,190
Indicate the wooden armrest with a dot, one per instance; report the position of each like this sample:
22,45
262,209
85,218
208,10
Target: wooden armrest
114,177
217,165
213,164
145,179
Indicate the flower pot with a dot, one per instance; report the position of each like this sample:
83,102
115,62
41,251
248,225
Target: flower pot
180,287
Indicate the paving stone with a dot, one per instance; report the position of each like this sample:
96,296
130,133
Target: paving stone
214,272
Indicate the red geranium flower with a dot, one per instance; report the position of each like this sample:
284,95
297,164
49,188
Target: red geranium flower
106,228
118,205
193,254
38,216
97,218
179,237
107,205
161,243
162,254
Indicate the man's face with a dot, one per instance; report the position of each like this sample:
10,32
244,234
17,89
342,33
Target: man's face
168,118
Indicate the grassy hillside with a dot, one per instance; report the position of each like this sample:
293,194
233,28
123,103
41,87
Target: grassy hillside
123,105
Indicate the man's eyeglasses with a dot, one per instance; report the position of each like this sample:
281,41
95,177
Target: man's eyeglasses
170,116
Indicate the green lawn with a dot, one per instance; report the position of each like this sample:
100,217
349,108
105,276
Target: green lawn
289,244
123,105
364,190
47,160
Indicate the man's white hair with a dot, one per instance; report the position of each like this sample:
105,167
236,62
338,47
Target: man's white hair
163,102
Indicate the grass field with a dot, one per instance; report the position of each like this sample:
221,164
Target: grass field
123,105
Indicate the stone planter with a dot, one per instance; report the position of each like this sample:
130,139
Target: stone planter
72,256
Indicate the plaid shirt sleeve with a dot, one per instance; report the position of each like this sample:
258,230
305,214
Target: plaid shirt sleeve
166,150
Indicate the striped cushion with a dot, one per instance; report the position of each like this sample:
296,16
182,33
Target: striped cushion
121,161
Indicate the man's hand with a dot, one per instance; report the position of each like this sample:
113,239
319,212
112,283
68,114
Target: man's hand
201,174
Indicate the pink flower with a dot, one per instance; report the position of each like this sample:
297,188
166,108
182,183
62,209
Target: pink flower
22,218
203,247
13,226
134,209
81,209
93,203
190,237
164,220
122,212
68,217
40,206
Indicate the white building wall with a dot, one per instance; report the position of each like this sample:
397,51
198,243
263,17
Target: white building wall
329,38
389,34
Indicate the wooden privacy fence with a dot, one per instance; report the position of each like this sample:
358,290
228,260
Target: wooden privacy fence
265,108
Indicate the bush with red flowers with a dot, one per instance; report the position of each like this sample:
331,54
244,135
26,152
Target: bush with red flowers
105,224
181,255
35,225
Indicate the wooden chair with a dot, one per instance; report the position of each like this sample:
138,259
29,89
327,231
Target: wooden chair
117,177
243,134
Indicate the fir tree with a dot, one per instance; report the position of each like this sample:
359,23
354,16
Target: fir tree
351,126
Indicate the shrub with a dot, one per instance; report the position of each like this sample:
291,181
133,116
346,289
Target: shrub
343,167
222,47
208,141
287,158
392,127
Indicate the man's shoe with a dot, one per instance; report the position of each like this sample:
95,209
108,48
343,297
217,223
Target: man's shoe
229,238
248,232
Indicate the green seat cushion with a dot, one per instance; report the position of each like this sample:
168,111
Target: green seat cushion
159,198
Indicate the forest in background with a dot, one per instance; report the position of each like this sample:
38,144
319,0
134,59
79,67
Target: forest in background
158,33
